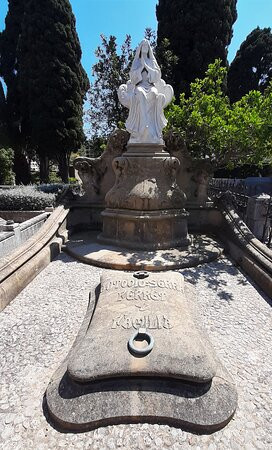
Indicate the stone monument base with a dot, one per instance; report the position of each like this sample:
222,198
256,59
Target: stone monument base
202,408
145,230
85,247
145,207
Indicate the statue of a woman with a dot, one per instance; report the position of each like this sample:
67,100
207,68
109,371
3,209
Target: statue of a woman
146,95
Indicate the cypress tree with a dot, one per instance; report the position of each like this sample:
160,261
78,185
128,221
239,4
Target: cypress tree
52,81
252,65
196,32
3,118
9,71
2,105
8,59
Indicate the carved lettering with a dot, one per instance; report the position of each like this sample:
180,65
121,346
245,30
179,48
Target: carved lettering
137,323
149,322
166,323
134,283
116,322
141,295
126,323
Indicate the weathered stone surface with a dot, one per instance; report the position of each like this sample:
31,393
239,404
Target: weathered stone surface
19,216
96,174
236,316
251,254
258,217
193,175
160,304
145,207
145,230
26,261
145,180
15,234
197,407
201,407
84,247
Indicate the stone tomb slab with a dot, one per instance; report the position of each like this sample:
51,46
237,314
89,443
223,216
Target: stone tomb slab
153,301
202,408
92,388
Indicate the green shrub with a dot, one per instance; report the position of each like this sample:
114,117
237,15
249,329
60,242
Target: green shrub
54,178
72,180
211,128
25,198
7,176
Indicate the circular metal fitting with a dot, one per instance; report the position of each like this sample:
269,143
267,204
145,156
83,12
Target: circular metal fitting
141,274
141,334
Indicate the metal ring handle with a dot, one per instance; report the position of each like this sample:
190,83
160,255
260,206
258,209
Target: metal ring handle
144,335
141,274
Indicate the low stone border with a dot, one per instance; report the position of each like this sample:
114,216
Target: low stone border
19,216
14,234
251,254
24,263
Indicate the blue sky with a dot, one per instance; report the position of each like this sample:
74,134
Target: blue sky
121,17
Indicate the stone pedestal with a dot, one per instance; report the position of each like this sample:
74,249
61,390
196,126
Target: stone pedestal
257,215
145,207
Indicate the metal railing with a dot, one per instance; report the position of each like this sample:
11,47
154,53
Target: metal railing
240,194
238,190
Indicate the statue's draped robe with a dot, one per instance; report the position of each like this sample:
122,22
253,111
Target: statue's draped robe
146,95
145,102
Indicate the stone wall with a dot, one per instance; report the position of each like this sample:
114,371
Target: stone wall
12,235
19,216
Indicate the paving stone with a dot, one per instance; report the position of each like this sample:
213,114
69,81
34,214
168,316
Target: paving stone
38,328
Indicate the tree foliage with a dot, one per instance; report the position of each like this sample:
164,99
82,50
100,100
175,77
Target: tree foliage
197,33
9,66
6,164
52,81
167,59
110,71
95,146
13,134
105,112
212,128
252,65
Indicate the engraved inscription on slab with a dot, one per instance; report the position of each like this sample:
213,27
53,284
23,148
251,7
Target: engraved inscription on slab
150,322
140,292
141,295
157,303
133,283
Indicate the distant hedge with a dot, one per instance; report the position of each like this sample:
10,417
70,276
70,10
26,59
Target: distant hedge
26,198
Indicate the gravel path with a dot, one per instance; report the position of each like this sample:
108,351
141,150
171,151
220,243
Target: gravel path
38,328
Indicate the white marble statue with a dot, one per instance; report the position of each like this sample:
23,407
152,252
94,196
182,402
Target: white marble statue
145,95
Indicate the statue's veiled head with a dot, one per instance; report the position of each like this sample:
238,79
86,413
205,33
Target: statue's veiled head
144,54
145,48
